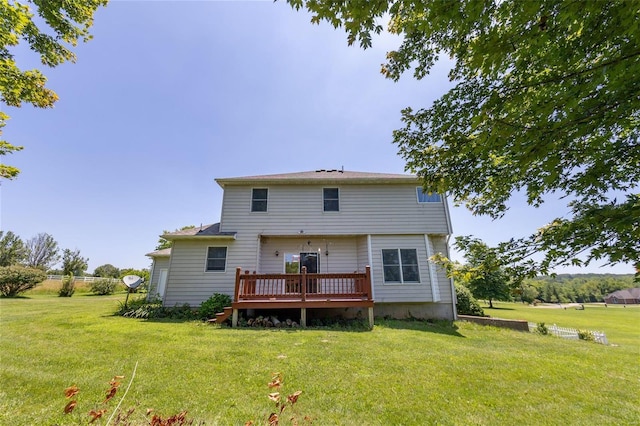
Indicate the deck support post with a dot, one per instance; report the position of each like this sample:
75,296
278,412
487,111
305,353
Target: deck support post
303,317
234,318
371,317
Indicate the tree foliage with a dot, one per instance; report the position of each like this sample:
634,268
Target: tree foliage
483,274
57,29
583,288
12,249
466,304
17,279
106,271
545,103
42,252
73,263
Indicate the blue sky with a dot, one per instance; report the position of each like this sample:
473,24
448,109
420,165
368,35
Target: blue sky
170,95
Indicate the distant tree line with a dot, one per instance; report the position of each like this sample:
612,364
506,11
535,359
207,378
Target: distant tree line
565,288
484,276
26,263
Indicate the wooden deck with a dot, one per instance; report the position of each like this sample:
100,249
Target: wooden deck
282,291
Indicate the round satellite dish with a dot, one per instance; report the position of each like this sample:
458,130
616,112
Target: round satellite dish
132,281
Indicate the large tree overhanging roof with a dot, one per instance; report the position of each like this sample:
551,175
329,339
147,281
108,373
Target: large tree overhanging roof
315,177
203,231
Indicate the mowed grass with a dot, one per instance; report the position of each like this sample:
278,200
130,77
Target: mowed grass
401,373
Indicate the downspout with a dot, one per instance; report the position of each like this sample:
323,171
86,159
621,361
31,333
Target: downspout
153,264
370,255
450,229
453,287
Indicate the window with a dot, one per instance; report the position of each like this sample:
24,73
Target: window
259,199
216,259
424,197
331,199
400,266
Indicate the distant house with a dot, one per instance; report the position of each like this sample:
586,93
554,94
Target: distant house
352,242
628,296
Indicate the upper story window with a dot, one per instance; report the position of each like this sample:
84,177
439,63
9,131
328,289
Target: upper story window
259,199
216,259
331,199
425,197
400,266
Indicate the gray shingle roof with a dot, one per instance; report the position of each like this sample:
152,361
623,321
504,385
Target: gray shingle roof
199,231
160,253
320,177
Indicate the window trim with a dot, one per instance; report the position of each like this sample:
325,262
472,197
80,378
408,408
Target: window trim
330,199
266,200
206,260
401,265
427,201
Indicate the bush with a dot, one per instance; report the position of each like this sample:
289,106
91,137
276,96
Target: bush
142,309
17,279
586,335
542,329
68,286
103,286
467,304
216,303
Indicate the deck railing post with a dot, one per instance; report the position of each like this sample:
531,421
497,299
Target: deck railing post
303,283
367,283
237,289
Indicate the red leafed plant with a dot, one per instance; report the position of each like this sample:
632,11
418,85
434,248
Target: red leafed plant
274,419
119,417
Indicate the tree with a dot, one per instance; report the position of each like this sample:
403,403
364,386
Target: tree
483,273
12,250
164,243
65,23
16,279
106,271
42,251
542,104
73,263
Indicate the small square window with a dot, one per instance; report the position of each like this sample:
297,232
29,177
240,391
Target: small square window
425,197
259,199
331,199
216,258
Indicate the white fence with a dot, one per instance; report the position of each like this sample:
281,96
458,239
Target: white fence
571,333
85,279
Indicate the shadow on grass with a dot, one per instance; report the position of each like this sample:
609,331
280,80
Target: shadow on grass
498,308
439,326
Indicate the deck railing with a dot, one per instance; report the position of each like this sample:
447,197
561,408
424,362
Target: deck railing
303,286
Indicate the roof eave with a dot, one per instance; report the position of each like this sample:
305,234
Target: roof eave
199,237
318,181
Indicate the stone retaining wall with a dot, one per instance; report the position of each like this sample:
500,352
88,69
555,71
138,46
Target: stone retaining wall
519,325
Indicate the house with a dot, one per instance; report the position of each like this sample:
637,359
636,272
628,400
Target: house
324,241
628,296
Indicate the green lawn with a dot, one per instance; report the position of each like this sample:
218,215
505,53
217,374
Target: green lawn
399,373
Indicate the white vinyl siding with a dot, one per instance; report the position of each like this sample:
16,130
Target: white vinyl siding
400,292
364,209
336,254
188,282
159,263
